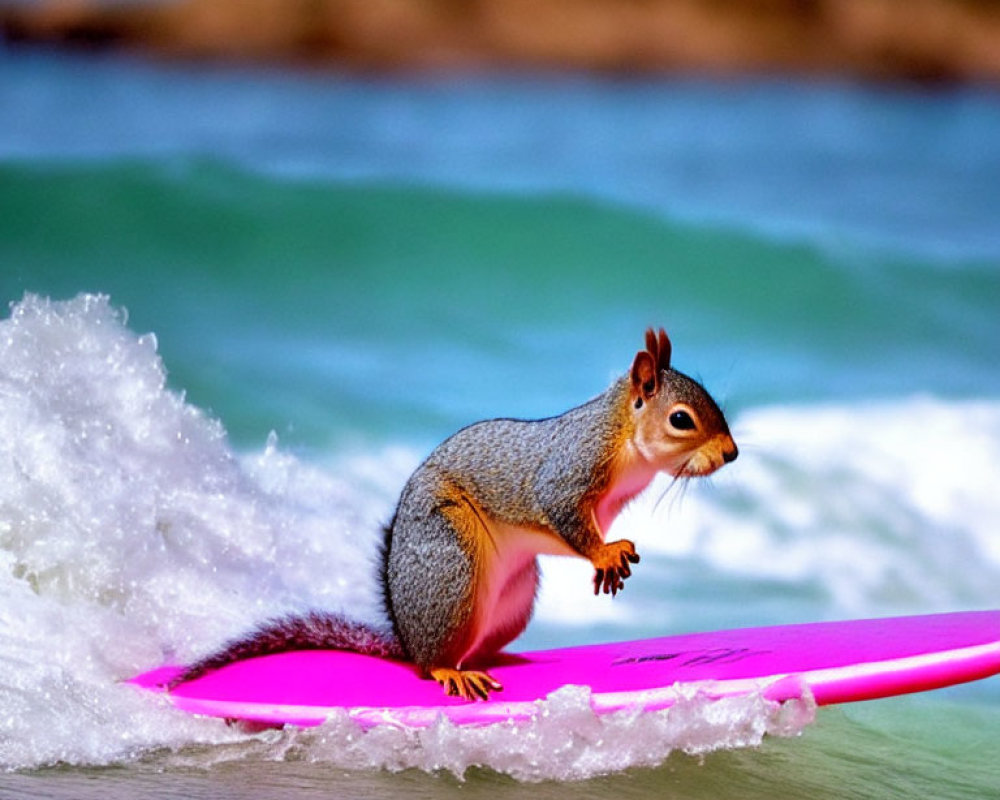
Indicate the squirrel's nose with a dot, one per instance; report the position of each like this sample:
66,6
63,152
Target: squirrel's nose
730,455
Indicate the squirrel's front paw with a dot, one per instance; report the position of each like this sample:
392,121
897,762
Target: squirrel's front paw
612,565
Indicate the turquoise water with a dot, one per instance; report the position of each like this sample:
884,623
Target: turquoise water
361,266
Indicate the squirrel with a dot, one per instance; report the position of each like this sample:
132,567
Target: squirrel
459,572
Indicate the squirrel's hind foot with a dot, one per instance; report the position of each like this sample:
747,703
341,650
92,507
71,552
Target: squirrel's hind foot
468,684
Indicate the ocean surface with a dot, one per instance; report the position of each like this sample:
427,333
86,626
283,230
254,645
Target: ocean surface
239,306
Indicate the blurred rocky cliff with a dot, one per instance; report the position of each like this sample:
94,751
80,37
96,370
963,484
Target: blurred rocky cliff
925,40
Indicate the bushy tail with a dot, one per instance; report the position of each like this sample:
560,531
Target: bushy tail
313,631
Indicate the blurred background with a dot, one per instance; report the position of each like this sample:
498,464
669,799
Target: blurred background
921,39
353,227
804,193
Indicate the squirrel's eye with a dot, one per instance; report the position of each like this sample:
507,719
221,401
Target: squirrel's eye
682,421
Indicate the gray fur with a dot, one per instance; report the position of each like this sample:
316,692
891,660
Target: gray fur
423,550
312,631
526,472
519,472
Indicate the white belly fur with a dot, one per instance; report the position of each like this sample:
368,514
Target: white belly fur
508,581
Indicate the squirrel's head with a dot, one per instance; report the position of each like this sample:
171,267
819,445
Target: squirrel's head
679,428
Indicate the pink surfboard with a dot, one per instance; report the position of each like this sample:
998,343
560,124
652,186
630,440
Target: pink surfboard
837,661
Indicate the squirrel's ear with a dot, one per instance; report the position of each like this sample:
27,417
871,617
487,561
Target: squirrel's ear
663,349
645,376
649,363
645,379
651,343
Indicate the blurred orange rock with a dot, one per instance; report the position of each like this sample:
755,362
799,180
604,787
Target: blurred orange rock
908,39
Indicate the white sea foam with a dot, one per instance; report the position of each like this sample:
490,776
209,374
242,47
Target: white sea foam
131,534
868,510
883,506
565,741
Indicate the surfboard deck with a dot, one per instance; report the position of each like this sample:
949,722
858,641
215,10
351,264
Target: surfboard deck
837,662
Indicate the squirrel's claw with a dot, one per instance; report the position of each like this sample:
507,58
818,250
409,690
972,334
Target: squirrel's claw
467,684
598,580
610,580
612,567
